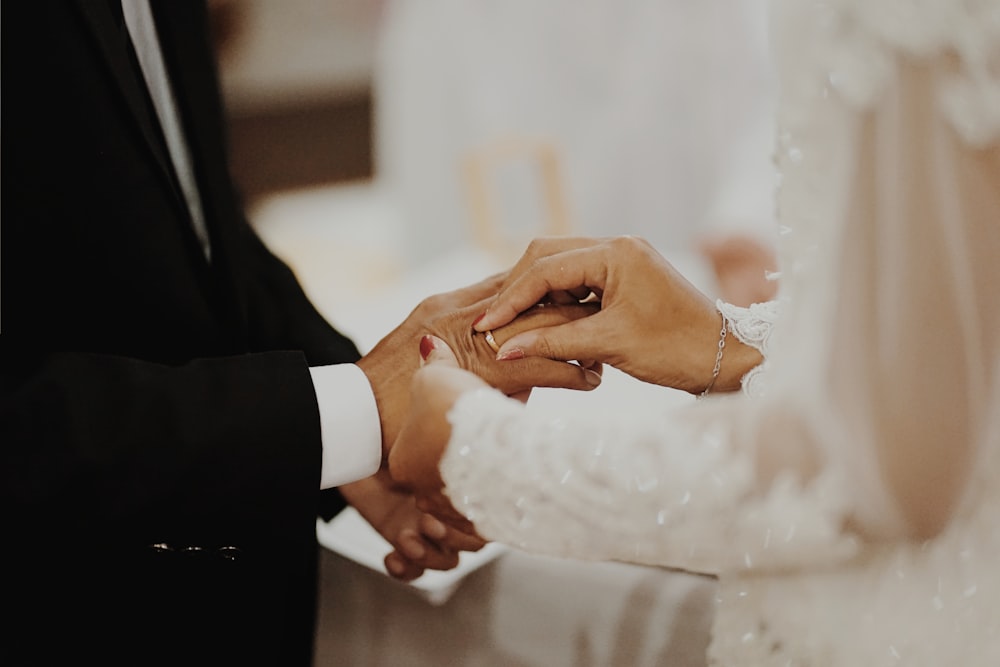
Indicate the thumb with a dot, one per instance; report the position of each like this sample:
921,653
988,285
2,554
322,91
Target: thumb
580,339
434,350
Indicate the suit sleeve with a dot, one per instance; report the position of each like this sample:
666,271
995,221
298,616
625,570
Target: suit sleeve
107,448
280,315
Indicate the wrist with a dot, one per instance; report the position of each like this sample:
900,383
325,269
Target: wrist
733,359
738,360
354,492
390,384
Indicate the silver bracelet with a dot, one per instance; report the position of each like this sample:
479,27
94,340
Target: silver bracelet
718,358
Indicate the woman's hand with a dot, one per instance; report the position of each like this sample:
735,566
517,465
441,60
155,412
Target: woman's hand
652,324
544,316
416,453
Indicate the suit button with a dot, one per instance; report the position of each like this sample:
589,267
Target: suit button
229,553
193,552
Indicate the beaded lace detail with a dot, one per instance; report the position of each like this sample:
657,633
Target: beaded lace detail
612,485
752,326
861,40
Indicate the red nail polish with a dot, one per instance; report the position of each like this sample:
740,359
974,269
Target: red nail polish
476,321
426,346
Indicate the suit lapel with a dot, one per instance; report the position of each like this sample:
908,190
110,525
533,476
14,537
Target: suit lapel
190,65
111,42
190,62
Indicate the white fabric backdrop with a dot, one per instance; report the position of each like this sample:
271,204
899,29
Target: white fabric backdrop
660,110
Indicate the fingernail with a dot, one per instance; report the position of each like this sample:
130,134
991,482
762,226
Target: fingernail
476,321
593,379
437,530
426,346
511,354
394,566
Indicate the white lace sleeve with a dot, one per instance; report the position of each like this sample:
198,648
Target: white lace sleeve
672,489
752,326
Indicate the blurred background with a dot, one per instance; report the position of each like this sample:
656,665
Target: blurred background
408,130
297,76
391,149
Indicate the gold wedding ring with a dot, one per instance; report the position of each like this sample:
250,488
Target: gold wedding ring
492,341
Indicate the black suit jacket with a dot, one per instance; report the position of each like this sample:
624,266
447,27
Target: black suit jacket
160,434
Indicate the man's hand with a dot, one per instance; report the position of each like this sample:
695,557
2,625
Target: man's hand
420,541
391,364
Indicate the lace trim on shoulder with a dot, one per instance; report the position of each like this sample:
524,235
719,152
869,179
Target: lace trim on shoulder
862,37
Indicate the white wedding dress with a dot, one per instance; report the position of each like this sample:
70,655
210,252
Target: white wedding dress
882,379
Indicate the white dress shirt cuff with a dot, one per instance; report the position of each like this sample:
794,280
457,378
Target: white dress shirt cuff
349,423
